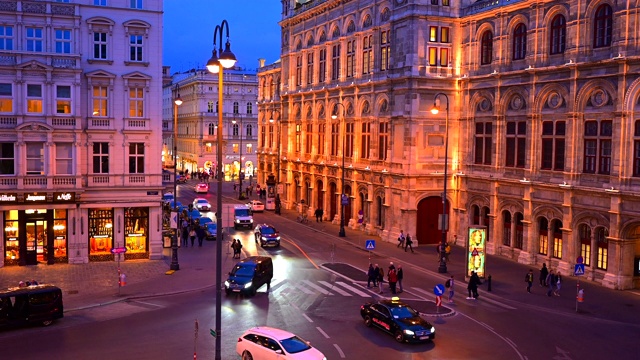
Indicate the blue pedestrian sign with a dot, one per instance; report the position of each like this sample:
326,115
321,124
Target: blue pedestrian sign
370,244
579,270
438,290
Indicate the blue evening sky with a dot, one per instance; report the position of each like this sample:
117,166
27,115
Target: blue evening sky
189,24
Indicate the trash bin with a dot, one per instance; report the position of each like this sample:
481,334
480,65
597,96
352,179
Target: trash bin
167,235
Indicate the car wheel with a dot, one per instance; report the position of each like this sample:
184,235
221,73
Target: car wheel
227,291
256,237
253,291
398,336
367,321
247,356
47,322
278,245
261,244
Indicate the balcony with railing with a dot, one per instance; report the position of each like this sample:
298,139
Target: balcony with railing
136,124
38,182
100,123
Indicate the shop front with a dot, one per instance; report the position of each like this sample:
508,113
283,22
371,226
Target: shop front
37,231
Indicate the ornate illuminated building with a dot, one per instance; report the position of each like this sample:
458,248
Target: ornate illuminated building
540,99
80,120
198,122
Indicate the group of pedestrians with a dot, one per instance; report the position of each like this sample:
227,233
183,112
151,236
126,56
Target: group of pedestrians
552,281
405,241
375,276
192,231
236,245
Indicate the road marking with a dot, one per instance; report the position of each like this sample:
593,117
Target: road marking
484,298
302,251
304,289
509,342
351,288
335,288
276,282
312,285
322,332
306,317
339,350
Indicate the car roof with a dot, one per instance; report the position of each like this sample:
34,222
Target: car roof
393,302
267,225
201,199
254,259
277,334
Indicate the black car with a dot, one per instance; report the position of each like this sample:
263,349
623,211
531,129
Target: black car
249,274
30,304
267,235
398,319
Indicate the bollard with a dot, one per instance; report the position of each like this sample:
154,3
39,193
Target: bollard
581,295
489,283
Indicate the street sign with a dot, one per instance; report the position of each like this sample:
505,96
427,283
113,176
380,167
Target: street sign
579,260
579,270
212,332
370,244
345,199
438,289
438,300
174,219
119,250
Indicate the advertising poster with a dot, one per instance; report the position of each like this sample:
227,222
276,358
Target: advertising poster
476,243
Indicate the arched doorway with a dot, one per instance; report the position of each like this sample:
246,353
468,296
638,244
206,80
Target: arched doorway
427,225
333,206
348,207
319,199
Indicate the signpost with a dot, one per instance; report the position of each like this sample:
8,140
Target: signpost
370,245
122,278
579,271
438,290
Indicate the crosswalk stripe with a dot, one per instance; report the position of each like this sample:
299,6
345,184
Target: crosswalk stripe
276,282
335,288
304,289
310,284
351,288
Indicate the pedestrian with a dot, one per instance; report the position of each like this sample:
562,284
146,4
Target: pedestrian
447,251
239,247
376,274
392,277
234,246
371,276
318,214
200,234
185,236
472,287
529,280
551,279
192,236
408,243
449,284
401,239
380,278
558,284
400,276
543,275
440,249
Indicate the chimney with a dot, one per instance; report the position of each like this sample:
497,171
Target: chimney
261,62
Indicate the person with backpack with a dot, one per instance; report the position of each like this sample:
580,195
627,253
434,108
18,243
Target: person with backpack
450,284
447,251
408,243
401,240
528,278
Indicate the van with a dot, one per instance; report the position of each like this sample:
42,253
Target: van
32,304
249,274
242,217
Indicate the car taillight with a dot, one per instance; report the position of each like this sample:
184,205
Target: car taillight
361,307
239,339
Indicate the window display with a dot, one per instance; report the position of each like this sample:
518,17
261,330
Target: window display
11,245
136,224
100,233
60,235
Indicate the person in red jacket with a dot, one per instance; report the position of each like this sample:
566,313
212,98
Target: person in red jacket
392,277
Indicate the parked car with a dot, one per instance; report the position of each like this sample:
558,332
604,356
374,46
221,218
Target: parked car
270,343
204,221
256,206
210,231
201,204
30,304
398,319
267,235
249,274
202,188
181,179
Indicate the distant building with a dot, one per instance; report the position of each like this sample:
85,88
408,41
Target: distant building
80,166
543,133
198,122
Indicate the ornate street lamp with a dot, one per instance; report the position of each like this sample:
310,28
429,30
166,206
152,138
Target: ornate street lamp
444,221
216,65
174,241
343,196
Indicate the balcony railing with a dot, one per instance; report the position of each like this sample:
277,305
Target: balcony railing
100,124
136,124
38,182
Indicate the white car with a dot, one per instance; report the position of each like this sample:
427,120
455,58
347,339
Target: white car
256,206
167,198
202,188
201,204
270,343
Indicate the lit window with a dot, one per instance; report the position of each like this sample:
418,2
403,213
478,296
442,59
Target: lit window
6,98
433,33
433,56
444,57
100,101
385,49
444,34
136,102
63,99
34,98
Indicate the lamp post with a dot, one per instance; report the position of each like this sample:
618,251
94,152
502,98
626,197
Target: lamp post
226,59
341,233
174,241
442,268
240,173
272,120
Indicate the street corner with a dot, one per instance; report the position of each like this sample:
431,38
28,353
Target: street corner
346,270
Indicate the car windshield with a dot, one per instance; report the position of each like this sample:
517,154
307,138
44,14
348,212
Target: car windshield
242,212
202,185
403,312
168,196
244,270
257,203
202,202
294,345
268,230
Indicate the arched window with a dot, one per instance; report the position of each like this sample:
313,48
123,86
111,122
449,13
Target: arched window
597,146
486,48
236,129
557,35
475,212
603,248
543,236
380,211
519,241
519,42
506,230
557,239
584,231
212,129
602,26
249,108
249,131
236,107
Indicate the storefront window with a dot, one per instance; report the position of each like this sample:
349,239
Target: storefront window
60,235
100,234
11,244
136,226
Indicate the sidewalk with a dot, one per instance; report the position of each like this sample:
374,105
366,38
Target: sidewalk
96,284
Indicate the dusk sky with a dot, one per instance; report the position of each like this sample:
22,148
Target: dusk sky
189,24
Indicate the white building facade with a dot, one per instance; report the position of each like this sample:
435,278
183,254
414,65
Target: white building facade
80,120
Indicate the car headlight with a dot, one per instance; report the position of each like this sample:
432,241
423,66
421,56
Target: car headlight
237,221
226,283
409,332
251,221
433,329
263,238
247,285
278,238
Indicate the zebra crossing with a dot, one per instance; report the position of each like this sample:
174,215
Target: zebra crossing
321,287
